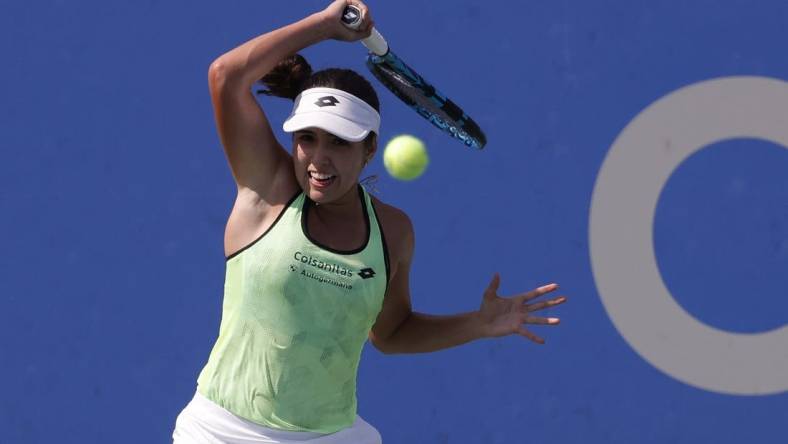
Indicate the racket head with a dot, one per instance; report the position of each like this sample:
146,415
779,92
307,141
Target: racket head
427,101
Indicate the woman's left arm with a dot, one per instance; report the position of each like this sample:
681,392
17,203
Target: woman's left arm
400,330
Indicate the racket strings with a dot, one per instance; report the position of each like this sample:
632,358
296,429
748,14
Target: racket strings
423,97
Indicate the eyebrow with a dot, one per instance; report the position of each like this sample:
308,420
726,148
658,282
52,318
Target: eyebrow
314,133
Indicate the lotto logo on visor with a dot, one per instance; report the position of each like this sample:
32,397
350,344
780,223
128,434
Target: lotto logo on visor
327,101
335,111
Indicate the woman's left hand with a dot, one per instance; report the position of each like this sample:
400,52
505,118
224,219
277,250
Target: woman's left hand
505,316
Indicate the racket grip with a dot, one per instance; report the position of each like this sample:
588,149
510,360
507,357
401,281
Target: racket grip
351,17
376,43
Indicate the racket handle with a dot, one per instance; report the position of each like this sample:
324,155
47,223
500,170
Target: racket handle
351,17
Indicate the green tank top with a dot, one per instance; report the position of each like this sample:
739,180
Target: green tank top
295,317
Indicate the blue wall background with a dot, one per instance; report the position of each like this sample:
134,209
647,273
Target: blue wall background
114,191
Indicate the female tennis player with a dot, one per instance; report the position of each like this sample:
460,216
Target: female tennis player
315,264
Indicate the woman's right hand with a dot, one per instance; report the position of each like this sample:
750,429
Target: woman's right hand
335,29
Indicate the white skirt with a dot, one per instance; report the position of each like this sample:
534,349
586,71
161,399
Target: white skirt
204,422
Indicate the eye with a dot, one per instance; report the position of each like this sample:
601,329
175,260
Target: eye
340,142
305,137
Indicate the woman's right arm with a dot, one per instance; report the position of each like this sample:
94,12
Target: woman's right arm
257,160
254,154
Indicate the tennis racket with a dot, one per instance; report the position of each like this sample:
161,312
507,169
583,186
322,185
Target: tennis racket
412,89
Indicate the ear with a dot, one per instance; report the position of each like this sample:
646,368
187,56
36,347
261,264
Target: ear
371,146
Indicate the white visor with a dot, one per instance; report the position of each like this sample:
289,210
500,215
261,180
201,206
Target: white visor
338,112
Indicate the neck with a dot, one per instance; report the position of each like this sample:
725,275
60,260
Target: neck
343,208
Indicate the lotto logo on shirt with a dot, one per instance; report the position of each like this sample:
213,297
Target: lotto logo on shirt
367,273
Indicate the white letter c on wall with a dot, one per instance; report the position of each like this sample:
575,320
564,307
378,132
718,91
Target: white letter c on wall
623,261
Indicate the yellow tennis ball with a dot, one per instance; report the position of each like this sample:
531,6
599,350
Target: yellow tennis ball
405,157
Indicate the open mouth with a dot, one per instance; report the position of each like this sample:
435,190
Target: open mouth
321,180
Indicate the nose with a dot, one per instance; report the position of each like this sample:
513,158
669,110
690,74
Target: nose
320,154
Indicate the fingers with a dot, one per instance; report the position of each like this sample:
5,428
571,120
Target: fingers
366,25
531,336
545,304
536,293
522,331
368,29
492,290
536,320
542,321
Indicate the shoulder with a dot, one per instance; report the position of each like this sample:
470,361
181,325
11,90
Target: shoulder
397,229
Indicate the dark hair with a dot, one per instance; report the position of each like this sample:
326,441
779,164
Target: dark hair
294,74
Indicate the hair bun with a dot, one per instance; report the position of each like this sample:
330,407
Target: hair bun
288,77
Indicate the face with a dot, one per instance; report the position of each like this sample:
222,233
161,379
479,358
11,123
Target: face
326,166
